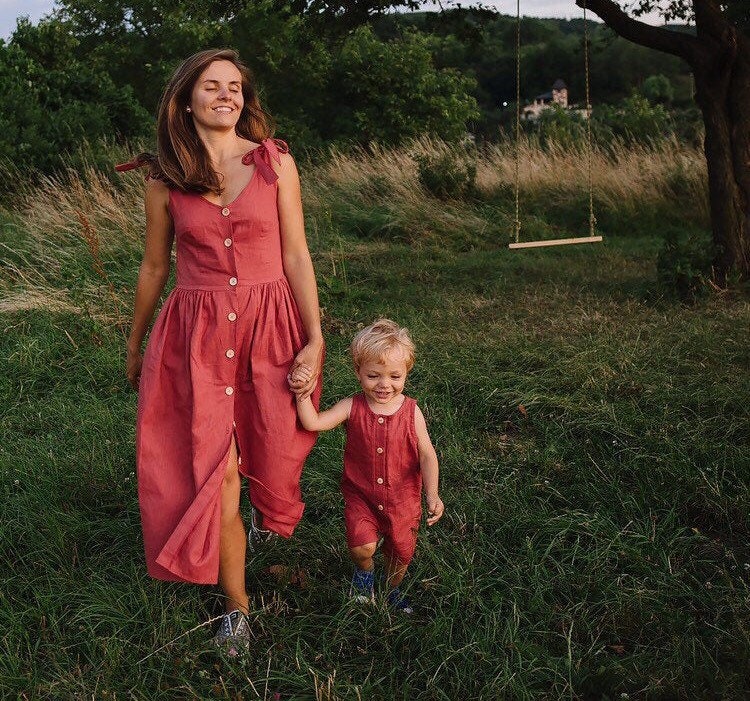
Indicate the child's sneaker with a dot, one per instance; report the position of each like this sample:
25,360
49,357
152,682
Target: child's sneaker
362,589
257,536
233,633
398,601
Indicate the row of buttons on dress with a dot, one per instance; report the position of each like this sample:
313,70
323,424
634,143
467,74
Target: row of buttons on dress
225,212
379,480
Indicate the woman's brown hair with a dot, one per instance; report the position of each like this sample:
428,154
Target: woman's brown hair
182,160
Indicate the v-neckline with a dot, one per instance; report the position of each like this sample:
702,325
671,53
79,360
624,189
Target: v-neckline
242,191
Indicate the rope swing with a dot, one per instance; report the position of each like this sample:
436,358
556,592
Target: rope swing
592,237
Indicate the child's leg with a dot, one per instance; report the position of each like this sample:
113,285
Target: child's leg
362,556
395,570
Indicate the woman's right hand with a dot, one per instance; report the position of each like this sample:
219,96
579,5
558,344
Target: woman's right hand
133,367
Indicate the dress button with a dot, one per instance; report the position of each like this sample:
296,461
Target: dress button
380,450
380,507
227,242
380,480
232,316
229,390
380,419
232,281
225,211
230,353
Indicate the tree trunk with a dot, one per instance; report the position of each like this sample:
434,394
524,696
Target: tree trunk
719,56
722,81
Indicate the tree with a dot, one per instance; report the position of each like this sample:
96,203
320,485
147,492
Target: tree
658,88
718,54
389,91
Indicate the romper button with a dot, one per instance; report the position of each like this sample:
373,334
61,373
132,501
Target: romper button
380,480
227,242
380,450
231,316
229,390
225,211
380,507
230,353
380,419
232,281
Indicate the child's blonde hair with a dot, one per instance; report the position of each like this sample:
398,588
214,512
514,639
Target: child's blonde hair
374,342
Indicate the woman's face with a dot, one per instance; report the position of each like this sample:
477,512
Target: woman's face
216,100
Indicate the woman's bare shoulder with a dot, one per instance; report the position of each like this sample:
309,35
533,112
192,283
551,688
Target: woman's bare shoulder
156,189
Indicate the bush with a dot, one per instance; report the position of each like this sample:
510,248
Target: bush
684,265
447,176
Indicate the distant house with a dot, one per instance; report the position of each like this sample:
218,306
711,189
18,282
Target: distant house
557,96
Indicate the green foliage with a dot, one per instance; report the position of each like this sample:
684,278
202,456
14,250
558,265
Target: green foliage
684,264
658,89
448,175
560,126
634,119
390,91
58,100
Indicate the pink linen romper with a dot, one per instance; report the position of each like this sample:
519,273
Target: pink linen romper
382,480
216,363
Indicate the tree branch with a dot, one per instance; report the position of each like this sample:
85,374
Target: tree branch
683,45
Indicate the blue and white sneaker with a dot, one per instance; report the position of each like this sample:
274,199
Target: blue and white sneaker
233,634
257,536
362,589
398,601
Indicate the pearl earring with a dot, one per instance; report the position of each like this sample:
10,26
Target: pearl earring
188,109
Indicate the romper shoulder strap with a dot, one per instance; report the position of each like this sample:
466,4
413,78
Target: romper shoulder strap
263,156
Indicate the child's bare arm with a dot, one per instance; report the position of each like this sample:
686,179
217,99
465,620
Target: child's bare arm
428,464
325,420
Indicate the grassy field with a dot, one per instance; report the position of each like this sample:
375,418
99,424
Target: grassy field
594,437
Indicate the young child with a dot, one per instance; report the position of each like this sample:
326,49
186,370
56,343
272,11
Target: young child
387,459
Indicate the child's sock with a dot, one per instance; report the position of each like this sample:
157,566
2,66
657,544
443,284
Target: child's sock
399,602
363,584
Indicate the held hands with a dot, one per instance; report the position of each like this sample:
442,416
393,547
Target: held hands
435,509
299,377
305,370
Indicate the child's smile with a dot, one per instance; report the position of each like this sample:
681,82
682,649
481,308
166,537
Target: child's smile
383,381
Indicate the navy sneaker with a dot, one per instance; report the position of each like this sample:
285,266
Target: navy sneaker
398,601
362,589
233,633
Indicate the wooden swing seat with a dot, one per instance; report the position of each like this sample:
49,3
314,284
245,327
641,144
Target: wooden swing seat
555,242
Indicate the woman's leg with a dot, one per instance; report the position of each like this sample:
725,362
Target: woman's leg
233,540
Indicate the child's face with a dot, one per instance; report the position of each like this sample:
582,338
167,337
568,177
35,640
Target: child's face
383,381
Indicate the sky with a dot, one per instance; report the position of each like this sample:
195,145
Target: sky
35,9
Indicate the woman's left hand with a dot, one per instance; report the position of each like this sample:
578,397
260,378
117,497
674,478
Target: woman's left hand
312,357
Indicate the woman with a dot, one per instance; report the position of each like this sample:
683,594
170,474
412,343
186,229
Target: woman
213,399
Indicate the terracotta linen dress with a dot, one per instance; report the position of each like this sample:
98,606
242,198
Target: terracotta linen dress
216,364
382,482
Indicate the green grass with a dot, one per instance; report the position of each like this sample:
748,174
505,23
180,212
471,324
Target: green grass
594,438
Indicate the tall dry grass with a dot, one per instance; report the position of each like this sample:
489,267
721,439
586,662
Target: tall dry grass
77,236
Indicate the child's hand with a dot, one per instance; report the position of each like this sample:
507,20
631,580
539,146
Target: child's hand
435,509
299,377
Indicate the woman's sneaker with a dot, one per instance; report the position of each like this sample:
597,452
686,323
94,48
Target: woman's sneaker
398,601
233,633
362,589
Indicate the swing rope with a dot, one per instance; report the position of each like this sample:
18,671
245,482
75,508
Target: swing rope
589,139
592,237
518,121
